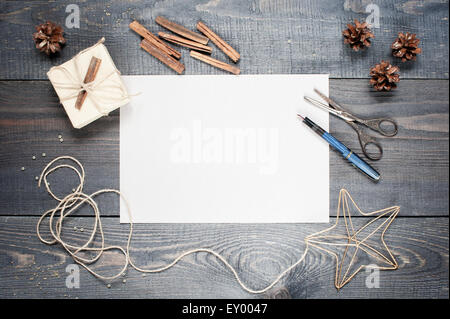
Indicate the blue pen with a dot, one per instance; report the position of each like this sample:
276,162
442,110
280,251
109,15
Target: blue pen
344,150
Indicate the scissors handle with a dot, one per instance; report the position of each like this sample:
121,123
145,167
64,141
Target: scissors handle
365,140
390,129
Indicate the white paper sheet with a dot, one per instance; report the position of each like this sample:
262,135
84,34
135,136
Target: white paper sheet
217,148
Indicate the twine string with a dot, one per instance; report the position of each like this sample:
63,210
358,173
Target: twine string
74,200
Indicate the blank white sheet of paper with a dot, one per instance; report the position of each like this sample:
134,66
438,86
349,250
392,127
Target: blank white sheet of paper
223,149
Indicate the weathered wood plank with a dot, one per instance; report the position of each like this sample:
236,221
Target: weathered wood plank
415,165
280,36
414,169
32,269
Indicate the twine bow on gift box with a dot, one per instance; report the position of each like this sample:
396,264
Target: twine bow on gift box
89,85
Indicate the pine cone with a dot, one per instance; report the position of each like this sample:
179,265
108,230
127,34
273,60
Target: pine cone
49,37
406,46
384,77
358,36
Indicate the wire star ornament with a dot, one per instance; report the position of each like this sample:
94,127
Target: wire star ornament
356,241
346,268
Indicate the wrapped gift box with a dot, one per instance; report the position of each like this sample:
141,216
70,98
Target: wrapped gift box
105,94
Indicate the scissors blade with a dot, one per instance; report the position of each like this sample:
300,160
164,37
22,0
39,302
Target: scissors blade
341,112
329,109
322,105
328,100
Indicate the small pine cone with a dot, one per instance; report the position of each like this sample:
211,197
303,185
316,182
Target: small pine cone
406,46
49,37
384,77
358,35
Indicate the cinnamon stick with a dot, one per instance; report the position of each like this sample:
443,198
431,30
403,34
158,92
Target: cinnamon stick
172,63
91,73
184,42
178,29
150,37
215,63
218,41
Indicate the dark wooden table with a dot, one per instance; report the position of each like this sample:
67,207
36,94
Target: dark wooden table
284,36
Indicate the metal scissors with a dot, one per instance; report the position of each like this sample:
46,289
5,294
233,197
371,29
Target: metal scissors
353,121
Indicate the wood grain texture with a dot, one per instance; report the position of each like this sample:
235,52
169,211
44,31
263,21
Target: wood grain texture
279,36
415,165
32,269
414,168
273,36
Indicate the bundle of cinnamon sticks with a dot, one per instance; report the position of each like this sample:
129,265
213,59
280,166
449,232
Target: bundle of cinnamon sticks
196,42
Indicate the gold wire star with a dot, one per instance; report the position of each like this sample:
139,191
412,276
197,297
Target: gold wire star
356,240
